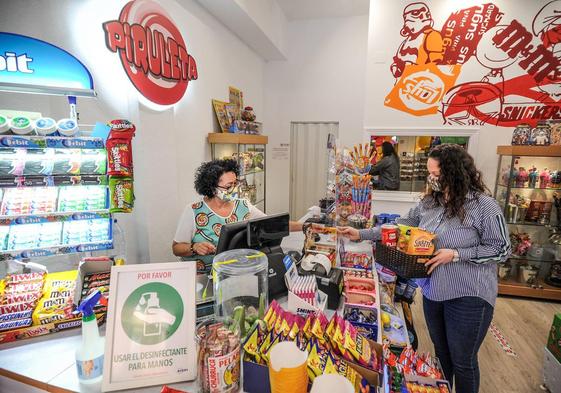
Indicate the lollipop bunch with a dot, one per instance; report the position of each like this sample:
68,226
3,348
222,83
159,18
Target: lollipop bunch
362,155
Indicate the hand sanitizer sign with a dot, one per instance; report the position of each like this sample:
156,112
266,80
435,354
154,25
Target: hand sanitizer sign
29,64
151,326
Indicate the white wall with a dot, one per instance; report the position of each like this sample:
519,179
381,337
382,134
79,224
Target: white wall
321,80
169,145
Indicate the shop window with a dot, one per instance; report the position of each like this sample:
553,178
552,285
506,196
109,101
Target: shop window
412,155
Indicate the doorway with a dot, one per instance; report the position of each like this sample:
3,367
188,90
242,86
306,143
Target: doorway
309,163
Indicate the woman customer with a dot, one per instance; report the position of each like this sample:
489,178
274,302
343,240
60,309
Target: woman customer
387,169
471,238
199,227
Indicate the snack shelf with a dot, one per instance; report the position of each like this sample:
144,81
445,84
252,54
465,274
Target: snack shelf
527,150
528,223
41,142
530,188
54,217
57,250
53,181
226,137
516,288
252,172
530,259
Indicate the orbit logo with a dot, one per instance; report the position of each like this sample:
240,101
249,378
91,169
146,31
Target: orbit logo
152,51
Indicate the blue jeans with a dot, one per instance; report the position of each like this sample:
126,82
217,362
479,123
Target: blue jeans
457,328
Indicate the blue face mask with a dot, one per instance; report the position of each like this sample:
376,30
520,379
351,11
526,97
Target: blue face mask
227,195
434,183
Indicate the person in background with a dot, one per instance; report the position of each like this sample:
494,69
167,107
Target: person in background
471,238
387,169
199,227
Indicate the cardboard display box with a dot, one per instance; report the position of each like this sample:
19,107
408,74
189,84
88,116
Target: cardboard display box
554,337
256,376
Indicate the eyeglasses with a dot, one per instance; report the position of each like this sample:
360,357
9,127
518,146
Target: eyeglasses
229,187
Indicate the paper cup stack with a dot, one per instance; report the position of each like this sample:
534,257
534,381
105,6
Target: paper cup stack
287,368
332,383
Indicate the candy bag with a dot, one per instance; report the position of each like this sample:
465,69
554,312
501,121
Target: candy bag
56,302
119,148
404,237
251,346
121,193
358,347
421,242
319,326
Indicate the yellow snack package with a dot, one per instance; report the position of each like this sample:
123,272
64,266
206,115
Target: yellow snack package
56,302
404,237
421,242
251,345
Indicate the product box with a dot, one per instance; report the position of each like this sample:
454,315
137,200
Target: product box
89,266
256,376
40,330
332,286
303,308
551,372
440,384
554,337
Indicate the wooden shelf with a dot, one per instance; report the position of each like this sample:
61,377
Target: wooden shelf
247,139
526,150
516,288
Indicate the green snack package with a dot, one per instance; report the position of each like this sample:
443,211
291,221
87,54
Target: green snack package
121,194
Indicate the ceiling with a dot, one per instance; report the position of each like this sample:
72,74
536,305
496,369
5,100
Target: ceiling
319,9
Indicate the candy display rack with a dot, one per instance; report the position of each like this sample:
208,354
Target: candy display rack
528,180
53,196
250,152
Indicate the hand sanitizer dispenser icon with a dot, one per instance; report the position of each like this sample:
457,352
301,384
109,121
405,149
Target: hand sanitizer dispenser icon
147,305
148,310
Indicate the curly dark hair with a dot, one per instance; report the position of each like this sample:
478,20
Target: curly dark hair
458,176
208,175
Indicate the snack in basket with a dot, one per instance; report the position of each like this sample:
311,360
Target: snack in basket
404,237
421,242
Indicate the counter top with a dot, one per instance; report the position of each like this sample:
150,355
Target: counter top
48,362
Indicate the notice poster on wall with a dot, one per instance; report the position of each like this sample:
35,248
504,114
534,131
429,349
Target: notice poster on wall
151,326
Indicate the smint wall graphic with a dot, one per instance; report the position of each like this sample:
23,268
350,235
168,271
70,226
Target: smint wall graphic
518,76
152,51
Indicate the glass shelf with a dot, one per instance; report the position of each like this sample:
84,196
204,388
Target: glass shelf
528,223
530,259
530,188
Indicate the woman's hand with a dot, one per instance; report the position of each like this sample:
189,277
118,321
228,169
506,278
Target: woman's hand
349,232
204,248
440,257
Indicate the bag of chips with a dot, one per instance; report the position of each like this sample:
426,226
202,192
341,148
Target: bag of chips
421,242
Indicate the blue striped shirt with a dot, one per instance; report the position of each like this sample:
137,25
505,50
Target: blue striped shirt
482,241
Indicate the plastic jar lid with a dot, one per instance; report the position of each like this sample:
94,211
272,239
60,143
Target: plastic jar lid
240,262
4,124
67,127
45,126
21,125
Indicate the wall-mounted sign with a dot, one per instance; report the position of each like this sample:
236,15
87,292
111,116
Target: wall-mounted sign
152,51
31,65
150,336
479,66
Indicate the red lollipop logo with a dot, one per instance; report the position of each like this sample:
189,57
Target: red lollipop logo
152,51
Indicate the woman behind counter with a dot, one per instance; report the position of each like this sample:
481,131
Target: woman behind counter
199,227
387,169
471,238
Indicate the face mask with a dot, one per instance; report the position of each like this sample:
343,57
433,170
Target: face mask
434,183
227,195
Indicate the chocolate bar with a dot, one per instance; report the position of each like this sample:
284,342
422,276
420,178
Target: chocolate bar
16,315
18,323
15,307
21,278
97,276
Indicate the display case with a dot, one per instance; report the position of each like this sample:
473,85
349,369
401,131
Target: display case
528,186
250,152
